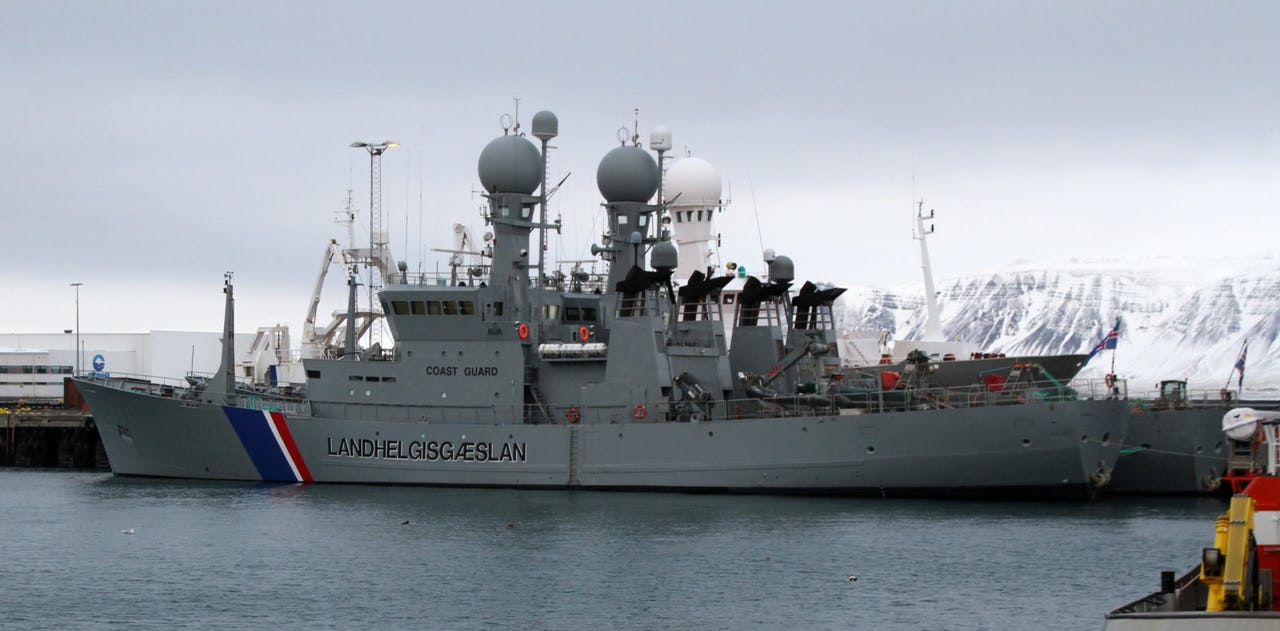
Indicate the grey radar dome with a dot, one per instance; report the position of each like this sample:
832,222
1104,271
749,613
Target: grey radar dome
510,164
695,181
664,256
782,270
545,125
627,174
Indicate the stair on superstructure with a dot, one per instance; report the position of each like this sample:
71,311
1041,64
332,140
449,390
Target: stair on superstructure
533,394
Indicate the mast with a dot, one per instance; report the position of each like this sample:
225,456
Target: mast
222,385
933,328
545,127
511,169
349,343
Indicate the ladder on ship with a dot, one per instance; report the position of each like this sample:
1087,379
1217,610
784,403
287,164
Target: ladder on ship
534,393
573,456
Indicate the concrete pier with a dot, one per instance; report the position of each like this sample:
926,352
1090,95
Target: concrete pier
64,438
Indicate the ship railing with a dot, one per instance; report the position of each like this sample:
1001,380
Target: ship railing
437,279
289,355
1200,398
868,401
578,283
1152,398
145,384
259,397
584,283
291,407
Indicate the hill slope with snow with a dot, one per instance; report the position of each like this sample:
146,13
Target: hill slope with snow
1181,319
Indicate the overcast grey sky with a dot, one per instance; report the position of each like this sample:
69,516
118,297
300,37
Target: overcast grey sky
152,145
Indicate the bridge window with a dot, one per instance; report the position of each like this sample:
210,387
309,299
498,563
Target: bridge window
313,374
497,308
433,307
418,307
400,307
466,307
450,307
577,313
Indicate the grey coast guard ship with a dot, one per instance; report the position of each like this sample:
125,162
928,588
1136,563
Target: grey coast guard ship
622,381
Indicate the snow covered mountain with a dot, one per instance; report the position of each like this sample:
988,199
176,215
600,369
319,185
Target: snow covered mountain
1181,318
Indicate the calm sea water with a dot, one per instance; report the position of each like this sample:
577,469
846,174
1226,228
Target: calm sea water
233,555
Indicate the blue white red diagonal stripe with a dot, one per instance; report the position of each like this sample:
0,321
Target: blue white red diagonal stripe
269,443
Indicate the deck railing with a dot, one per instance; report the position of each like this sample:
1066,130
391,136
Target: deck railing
852,401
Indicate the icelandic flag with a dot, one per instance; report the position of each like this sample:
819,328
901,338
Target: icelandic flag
1240,365
1107,343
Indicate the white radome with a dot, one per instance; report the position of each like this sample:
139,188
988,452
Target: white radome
695,181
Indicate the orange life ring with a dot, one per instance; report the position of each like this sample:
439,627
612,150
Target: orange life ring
572,415
523,331
640,411
1110,379
584,334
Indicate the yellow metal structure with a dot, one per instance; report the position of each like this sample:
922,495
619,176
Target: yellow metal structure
1227,579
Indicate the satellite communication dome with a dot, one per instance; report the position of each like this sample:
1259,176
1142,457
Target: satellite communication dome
664,256
782,270
695,181
660,138
545,125
510,164
627,174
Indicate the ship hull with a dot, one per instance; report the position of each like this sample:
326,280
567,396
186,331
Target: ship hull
1049,450
1195,621
1172,452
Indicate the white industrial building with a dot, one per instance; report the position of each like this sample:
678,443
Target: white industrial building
33,365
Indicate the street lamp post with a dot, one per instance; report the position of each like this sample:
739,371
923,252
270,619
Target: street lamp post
77,286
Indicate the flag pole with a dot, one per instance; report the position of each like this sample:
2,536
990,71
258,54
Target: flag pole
1117,345
1113,361
1243,349
1234,366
